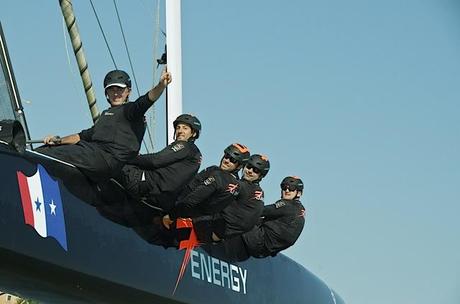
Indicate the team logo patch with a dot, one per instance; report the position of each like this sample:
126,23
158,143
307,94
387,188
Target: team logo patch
258,195
280,204
232,188
178,147
209,180
42,205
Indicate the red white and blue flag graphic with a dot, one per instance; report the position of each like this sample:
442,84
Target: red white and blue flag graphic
42,205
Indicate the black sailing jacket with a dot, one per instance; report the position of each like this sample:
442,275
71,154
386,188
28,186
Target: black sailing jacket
244,213
208,193
171,168
119,130
282,225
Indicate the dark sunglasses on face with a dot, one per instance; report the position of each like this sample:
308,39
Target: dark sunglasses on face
230,159
254,169
288,187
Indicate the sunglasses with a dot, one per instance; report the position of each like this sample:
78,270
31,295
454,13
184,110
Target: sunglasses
288,187
254,169
230,158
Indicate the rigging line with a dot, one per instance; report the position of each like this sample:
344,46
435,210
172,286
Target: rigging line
132,70
126,47
103,34
145,145
150,137
156,35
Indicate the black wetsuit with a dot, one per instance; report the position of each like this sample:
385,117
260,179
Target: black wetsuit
160,177
104,148
208,193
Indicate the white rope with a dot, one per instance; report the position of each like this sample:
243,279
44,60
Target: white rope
52,158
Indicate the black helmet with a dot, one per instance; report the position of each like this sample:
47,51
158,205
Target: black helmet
117,78
260,162
190,120
293,182
238,152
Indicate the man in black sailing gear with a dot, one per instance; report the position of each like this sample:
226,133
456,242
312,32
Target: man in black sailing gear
212,189
158,178
282,224
245,212
242,214
101,151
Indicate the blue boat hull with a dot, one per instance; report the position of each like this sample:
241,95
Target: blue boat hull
106,262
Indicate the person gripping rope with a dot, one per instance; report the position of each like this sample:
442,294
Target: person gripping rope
101,151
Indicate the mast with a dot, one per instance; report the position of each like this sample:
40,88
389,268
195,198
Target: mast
71,22
174,58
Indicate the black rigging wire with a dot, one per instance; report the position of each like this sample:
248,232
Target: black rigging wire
132,71
126,47
129,58
103,34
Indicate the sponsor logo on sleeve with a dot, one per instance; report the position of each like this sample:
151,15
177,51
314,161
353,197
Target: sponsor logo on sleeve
209,180
258,195
280,204
233,189
177,147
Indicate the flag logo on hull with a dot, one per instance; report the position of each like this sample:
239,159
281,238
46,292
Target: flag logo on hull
42,205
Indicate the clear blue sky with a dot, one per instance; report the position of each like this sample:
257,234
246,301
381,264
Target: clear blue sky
359,98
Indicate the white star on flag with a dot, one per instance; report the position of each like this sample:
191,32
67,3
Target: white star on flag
53,207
